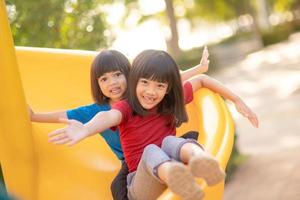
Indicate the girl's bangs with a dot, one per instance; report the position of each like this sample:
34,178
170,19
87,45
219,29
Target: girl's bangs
109,65
157,70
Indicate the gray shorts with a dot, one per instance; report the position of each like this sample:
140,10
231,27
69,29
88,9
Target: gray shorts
144,184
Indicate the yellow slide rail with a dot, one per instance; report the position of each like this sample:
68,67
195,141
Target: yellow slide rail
51,79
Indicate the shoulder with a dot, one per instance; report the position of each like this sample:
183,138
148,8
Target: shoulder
99,107
124,108
92,107
86,112
188,92
121,104
187,85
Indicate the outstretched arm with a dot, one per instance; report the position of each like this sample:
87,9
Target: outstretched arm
47,117
75,131
214,85
201,68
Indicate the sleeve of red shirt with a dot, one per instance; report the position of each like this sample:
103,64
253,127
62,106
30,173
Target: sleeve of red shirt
188,92
125,109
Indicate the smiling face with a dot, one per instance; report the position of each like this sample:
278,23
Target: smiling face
113,85
150,93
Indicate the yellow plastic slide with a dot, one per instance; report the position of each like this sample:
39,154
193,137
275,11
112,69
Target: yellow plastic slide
51,79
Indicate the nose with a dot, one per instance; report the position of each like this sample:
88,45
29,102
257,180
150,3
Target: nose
113,81
150,91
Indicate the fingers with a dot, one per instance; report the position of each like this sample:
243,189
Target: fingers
253,119
205,52
62,141
59,136
247,112
57,132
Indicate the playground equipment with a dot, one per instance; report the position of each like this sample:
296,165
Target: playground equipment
50,79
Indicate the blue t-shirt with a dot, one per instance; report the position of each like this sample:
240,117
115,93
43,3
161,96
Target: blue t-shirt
86,113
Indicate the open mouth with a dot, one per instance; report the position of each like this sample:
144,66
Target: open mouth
149,100
115,90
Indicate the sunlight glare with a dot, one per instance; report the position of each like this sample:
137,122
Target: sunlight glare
151,7
140,38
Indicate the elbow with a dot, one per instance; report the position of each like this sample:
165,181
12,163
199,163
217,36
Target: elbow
202,79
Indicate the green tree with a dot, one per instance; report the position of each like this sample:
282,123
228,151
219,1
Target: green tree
285,5
75,24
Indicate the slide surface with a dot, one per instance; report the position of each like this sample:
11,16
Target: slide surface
59,79
51,79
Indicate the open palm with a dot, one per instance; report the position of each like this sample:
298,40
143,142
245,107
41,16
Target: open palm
74,132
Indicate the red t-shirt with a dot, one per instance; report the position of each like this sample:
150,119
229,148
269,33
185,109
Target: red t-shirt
136,132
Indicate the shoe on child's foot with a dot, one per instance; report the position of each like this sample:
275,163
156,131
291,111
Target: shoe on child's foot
180,181
207,167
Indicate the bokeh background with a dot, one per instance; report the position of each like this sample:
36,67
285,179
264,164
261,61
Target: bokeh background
254,49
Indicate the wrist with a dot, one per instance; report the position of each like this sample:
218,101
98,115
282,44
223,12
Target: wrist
236,99
88,131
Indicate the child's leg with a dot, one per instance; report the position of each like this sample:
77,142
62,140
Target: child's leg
119,184
142,184
154,170
201,163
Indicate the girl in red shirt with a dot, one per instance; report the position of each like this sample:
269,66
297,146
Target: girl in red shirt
147,119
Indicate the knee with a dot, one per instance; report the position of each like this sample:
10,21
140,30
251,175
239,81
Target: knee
149,148
166,141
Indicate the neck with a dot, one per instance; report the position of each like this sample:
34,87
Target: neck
112,101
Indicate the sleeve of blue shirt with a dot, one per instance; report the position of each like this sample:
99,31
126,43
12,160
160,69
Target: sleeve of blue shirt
86,113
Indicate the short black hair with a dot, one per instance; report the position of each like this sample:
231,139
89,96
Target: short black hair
106,61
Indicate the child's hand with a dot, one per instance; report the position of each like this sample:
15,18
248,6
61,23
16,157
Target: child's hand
204,63
242,108
69,135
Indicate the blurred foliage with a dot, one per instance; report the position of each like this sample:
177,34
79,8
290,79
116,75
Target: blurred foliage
284,5
217,10
280,32
240,35
190,58
76,24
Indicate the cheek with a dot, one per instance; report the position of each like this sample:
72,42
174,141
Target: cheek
102,88
163,93
124,83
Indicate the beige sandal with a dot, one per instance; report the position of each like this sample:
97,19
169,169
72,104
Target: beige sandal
180,181
207,167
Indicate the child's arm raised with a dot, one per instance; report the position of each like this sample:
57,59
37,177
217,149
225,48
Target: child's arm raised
201,68
214,85
47,117
75,131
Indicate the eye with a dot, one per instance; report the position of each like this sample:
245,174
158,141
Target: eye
162,85
144,81
103,79
118,74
